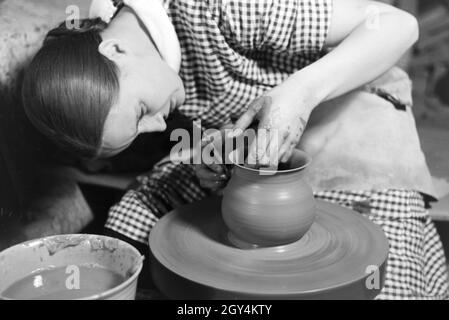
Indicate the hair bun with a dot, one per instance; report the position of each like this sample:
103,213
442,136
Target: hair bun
83,26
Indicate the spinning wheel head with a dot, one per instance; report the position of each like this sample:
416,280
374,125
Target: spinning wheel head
340,254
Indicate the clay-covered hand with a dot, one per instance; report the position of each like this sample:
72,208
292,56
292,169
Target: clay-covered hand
213,173
213,177
282,118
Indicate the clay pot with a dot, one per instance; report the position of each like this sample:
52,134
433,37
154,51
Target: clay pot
263,209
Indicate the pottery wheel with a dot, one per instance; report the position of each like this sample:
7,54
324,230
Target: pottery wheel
192,258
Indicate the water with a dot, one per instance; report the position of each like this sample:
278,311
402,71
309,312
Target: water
57,284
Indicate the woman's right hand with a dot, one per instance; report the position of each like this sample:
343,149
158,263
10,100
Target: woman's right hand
213,177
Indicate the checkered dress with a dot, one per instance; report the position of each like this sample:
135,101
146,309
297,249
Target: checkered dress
233,51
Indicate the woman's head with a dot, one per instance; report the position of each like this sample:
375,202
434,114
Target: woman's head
69,83
93,89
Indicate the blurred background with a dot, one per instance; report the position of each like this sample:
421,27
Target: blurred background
44,191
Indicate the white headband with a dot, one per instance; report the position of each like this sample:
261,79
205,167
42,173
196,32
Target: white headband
155,18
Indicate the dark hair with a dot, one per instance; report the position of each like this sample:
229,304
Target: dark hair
69,87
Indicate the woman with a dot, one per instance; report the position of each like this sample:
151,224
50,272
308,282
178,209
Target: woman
94,89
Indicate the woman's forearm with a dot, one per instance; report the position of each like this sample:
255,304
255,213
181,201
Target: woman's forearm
369,50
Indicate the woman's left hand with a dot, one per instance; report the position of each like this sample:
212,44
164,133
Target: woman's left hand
282,114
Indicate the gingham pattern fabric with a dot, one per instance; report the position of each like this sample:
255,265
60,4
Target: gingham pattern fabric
416,267
166,187
235,50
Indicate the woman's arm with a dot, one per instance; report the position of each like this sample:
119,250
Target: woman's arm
369,38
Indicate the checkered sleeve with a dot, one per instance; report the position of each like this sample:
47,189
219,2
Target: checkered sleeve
287,26
166,187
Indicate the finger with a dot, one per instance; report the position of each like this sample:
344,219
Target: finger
248,117
207,141
211,137
252,160
218,168
210,144
284,148
288,154
262,147
283,137
288,151
294,135
270,158
206,174
276,140
293,142
219,185
273,149
212,185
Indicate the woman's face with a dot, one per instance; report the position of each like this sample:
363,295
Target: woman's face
149,88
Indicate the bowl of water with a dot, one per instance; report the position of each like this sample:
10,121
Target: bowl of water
66,267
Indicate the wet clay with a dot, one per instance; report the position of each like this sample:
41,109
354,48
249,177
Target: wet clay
56,244
56,284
